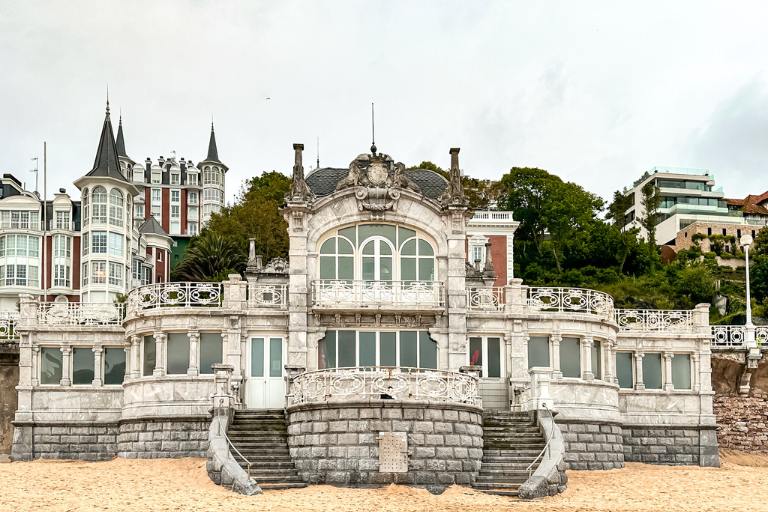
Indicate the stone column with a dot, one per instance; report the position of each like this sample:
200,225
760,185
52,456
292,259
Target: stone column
128,360
586,358
695,372
668,385
639,384
194,350
35,371
554,355
98,370
136,357
608,359
66,352
159,354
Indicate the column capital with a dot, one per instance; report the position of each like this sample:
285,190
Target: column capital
97,349
65,349
667,355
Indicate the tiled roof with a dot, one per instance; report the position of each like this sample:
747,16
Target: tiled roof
323,181
152,227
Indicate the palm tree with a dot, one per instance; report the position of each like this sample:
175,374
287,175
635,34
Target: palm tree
211,257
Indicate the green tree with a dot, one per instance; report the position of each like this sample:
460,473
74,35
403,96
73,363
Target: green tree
479,193
760,243
651,201
210,257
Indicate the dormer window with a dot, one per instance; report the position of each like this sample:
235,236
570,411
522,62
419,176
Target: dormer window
192,179
175,178
62,219
157,176
138,174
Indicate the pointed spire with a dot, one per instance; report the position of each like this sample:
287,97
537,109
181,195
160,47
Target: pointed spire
106,163
120,143
213,152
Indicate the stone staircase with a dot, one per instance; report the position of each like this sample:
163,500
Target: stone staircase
511,441
262,437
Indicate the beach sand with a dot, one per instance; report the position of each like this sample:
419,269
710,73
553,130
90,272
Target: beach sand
182,485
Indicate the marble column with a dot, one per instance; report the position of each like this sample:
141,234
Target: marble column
639,384
695,371
136,357
586,358
554,341
668,384
128,360
159,354
35,377
608,361
194,351
66,364
98,370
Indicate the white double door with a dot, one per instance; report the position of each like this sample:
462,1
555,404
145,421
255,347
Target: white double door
265,386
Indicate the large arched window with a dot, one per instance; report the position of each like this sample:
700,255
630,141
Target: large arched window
417,260
99,205
377,260
116,207
337,260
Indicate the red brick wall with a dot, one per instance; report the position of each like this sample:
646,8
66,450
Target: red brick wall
166,209
147,202
160,262
499,255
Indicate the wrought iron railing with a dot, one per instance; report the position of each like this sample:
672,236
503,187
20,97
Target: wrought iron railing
655,320
8,322
268,296
182,294
572,300
379,382
344,293
485,299
76,313
726,337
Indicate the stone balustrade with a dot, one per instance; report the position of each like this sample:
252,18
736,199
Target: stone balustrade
571,300
341,293
730,337
655,320
181,294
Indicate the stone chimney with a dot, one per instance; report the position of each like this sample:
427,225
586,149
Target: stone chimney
299,189
489,274
455,159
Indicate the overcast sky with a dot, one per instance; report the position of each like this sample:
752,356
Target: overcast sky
596,92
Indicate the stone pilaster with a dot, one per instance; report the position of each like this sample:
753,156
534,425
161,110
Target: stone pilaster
586,344
128,360
668,384
639,384
98,368
554,355
135,357
159,354
34,379
194,351
66,365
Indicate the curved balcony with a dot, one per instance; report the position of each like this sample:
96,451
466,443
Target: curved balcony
571,300
82,314
380,382
174,295
340,295
655,320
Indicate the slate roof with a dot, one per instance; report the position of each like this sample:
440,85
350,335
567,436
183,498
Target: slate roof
323,181
120,143
106,164
213,151
152,227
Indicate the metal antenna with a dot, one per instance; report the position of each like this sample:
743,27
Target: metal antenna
373,130
35,170
318,154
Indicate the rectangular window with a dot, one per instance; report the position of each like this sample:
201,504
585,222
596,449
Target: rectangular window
192,197
476,351
178,353
409,349
99,242
114,366
486,353
85,243
192,228
257,357
367,348
275,357
570,357
84,273
150,355
681,371
652,370
82,365
211,351
115,274
62,219
494,357
538,352
625,369
156,196
192,179
175,178
175,196
597,369
157,212
347,349
387,349
61,275
157,177
116,245
138,211
99,272
51,363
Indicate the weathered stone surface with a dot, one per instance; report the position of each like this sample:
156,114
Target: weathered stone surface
587,446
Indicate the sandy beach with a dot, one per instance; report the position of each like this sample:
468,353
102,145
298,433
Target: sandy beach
182,485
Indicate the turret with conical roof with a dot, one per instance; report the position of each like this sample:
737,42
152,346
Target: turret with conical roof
212,172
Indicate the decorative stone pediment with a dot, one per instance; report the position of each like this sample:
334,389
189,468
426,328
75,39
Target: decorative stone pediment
378,181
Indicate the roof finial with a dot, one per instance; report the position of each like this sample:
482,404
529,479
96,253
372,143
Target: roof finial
107,99
318,154
373,131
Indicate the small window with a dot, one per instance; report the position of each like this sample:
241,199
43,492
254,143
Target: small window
347,349
681,371
114,366
538,352
388,349
409,349
275,357
149,355
257,357
570,357
178,353
50,365
625,369
427,351
82,365
652,370
210,351
367,348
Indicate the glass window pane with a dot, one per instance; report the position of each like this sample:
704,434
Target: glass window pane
425,249
149,355
387,349
367,348
570,357
625,369
652,370
329,344
177,353
211,351
427,351
347,349
476,351
329,246
385,249
538,351
408,269
114,366
257,357
368,269
82,365
408,349
494,357
385,269
346,267
50,365
345,247
369,248
275,357
409,248
597,368
327,267
350,233
426,269
681,371
405,234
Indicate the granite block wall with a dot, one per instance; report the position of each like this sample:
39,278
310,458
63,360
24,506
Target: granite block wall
163,438
592,445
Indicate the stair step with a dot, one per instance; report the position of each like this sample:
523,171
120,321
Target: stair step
506,466
276,479
268,464
268,486
514,478
505,486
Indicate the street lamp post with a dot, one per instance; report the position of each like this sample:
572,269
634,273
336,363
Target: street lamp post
745,242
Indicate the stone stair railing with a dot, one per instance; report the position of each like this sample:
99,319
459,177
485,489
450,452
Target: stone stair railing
549,478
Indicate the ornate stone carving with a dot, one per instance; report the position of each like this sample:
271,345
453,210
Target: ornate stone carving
454,193
300,191
378,181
